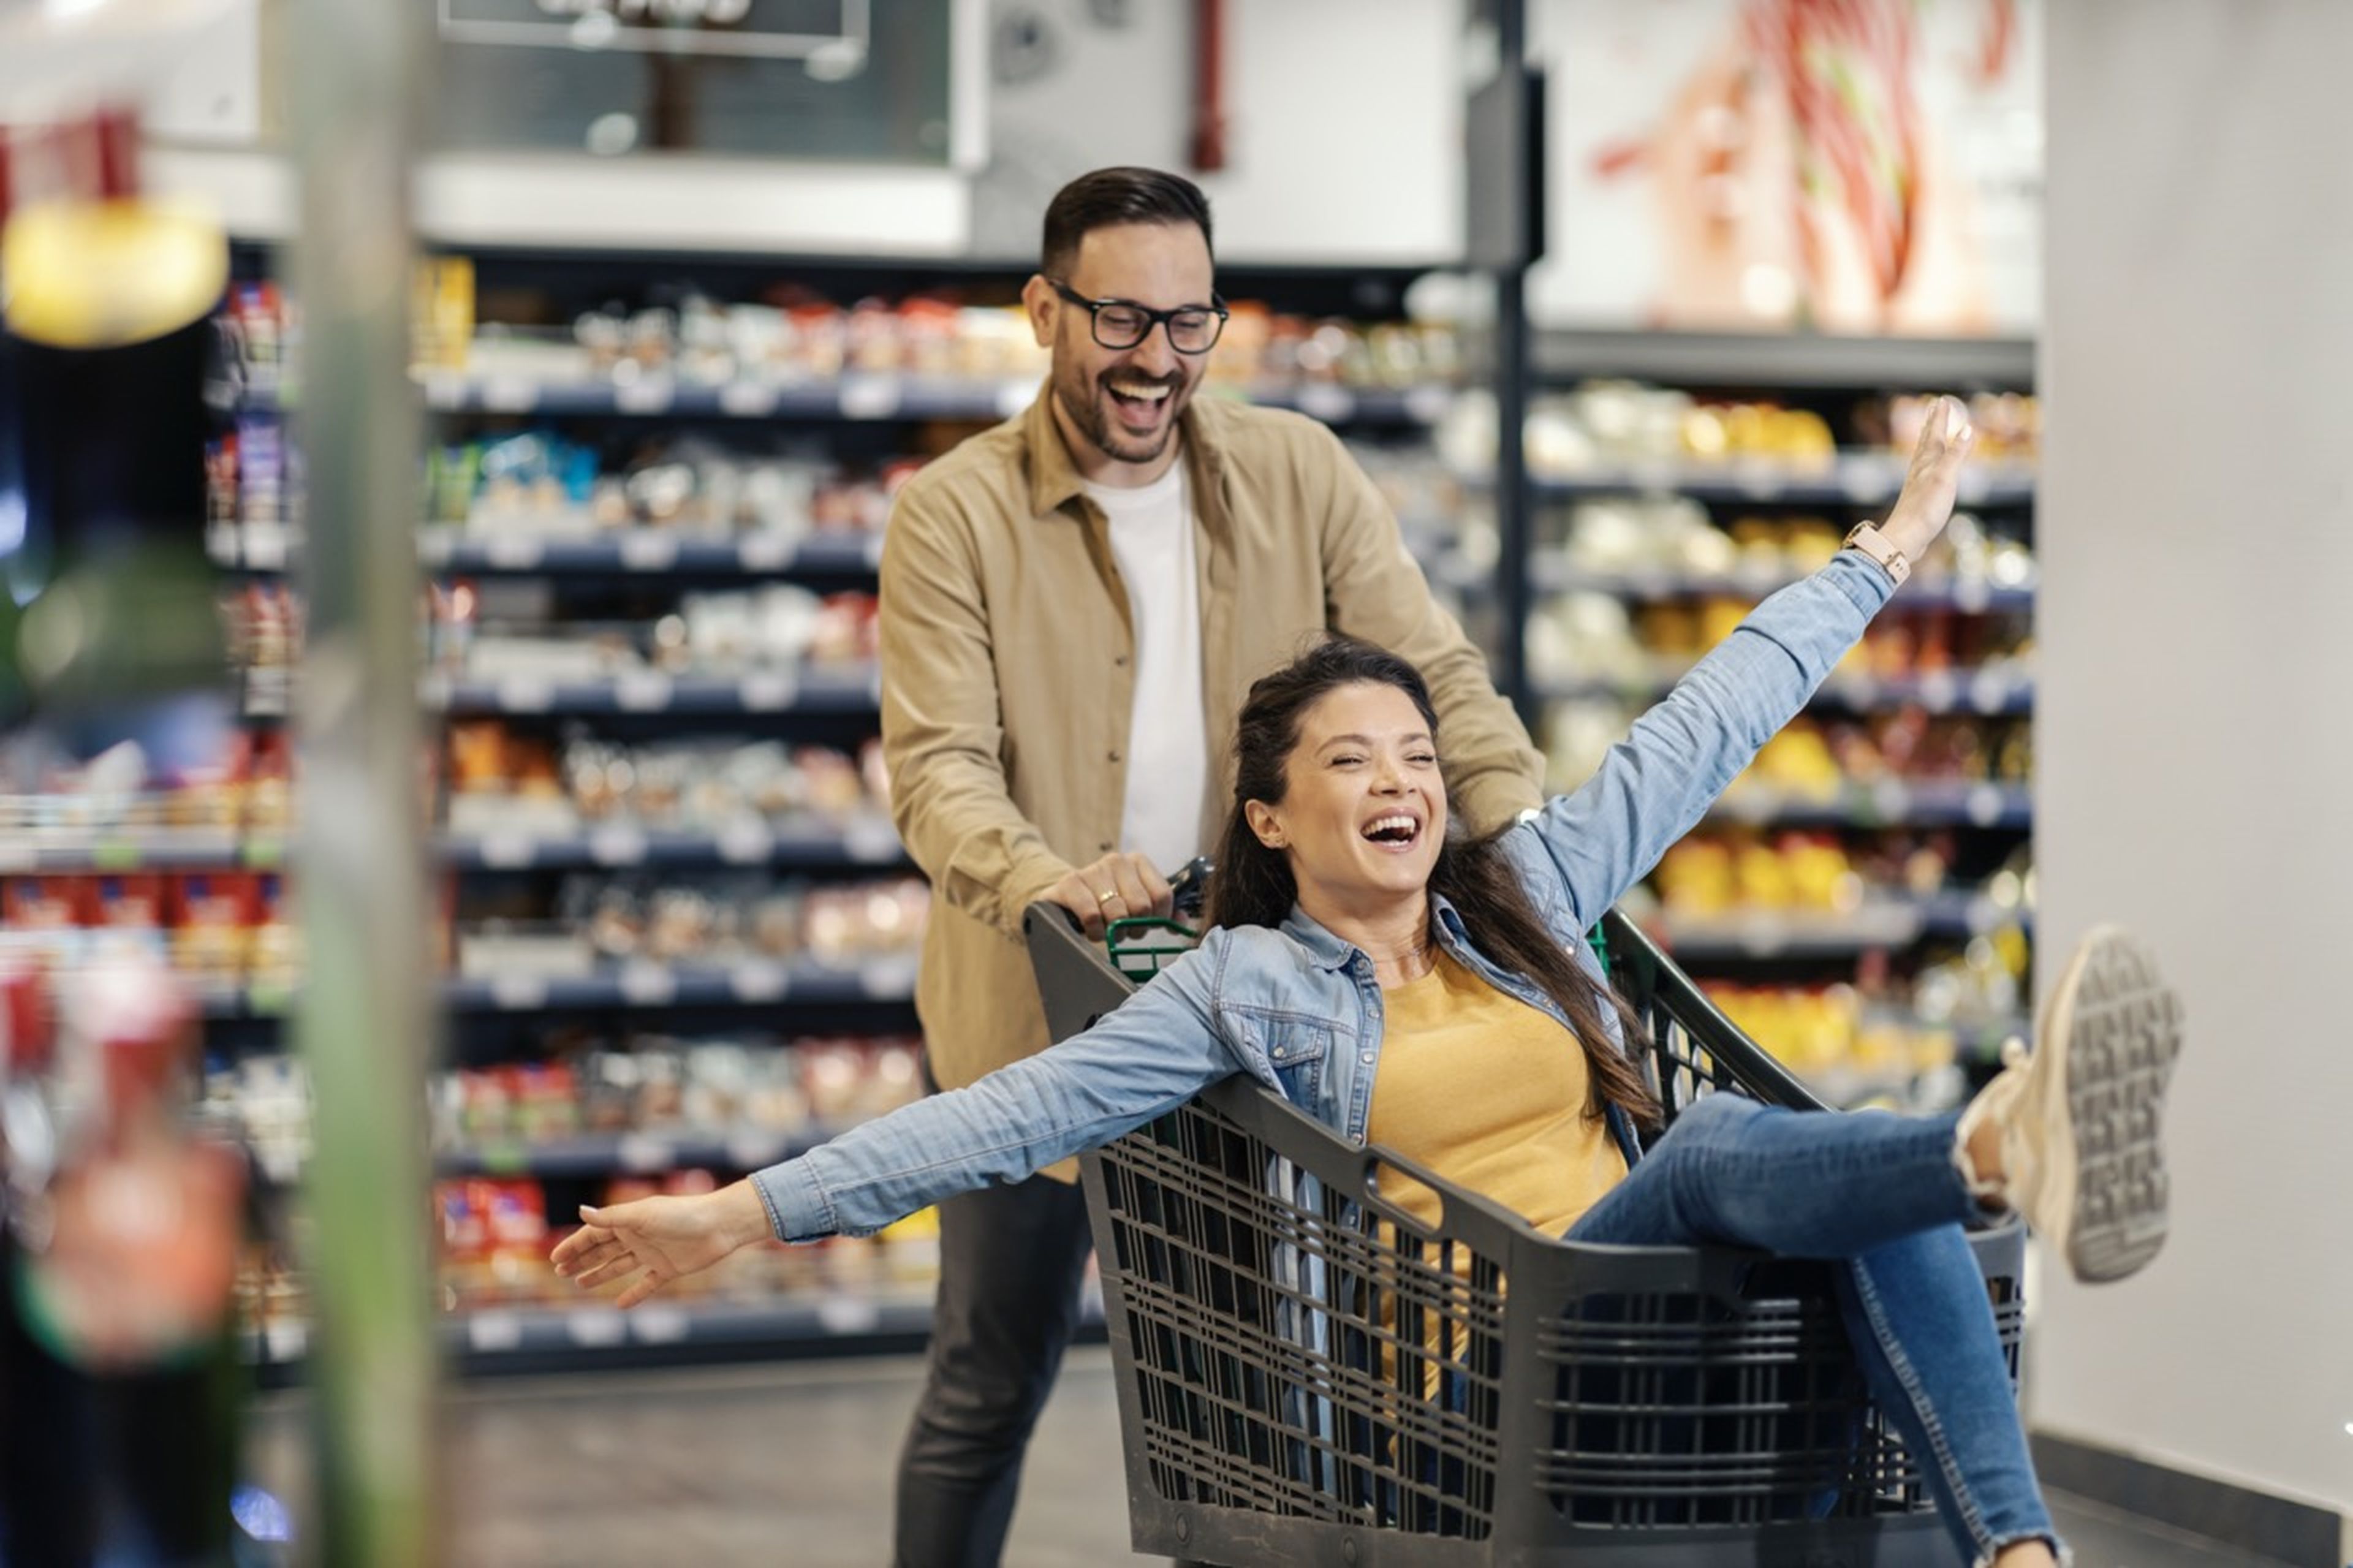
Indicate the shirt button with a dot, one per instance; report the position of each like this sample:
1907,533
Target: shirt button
1121,660
1367,1058
1105,849
1114,756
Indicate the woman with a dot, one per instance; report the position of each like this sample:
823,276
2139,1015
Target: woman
1429,993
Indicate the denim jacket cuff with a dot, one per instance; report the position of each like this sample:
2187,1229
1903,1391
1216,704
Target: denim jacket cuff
798,1207
1860,579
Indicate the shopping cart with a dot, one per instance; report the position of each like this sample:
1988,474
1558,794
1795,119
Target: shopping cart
1308,1376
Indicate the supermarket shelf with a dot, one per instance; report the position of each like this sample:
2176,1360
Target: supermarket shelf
589,1155
851,690
497,1340
809,844
862,398
635,986
141,849
1552,573
1889,803
494,1340
1990,693
1884,921
1853,479
750,982
802,844
487,551
1786,360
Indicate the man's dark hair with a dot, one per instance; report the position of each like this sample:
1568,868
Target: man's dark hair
1110,197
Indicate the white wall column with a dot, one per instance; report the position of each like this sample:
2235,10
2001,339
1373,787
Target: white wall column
2194,721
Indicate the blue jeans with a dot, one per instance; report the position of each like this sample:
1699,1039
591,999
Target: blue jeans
1879,1194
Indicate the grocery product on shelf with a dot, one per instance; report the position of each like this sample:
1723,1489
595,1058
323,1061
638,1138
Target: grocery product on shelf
1657,435
502,776
1718,870
599,923
1668,546
793,333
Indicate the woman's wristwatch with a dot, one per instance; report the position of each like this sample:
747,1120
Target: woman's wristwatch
1881,549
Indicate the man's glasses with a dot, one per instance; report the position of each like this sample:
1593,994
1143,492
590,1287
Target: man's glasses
1124,324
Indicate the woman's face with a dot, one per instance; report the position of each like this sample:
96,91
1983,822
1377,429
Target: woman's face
1364,809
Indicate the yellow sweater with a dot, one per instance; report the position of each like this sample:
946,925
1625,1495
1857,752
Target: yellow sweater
1489,1094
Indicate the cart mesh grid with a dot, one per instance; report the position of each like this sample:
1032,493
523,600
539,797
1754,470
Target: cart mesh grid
1333,1420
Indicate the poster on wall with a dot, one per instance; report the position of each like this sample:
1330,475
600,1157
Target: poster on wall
1859,166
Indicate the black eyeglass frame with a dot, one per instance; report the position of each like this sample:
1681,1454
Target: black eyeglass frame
1160,318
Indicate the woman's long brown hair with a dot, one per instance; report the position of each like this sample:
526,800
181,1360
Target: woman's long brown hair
1253,885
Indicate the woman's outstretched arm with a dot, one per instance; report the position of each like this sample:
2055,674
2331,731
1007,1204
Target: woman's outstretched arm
1155,1052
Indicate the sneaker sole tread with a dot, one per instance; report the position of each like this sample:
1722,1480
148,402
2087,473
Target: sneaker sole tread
2124,1033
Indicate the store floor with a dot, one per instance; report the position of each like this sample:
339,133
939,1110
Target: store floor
791,1465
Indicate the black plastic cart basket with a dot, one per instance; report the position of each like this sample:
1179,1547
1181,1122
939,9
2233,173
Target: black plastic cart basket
1307,1375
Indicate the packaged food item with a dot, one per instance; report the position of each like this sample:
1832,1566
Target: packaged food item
214,914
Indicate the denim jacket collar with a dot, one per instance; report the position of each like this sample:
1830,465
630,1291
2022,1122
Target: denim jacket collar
1327,951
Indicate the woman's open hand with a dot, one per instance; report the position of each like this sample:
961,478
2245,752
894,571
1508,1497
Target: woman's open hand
1927,504
659,1239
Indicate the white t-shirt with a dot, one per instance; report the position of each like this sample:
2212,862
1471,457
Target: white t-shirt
1168,754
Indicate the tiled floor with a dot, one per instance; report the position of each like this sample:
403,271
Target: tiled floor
792,1464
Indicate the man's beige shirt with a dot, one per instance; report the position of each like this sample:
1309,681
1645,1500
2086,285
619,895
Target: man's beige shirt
1008,674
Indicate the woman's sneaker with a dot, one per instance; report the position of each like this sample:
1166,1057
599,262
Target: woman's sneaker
2080,1117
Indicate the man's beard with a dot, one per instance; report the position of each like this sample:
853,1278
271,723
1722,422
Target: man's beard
1085,403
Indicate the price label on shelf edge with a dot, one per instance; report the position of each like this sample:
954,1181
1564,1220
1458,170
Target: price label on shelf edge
768,691
1322,400
755,1151
510,394
596,1328
748,399
647,549
518,993
507,851
870,396
637,1152
617,844
645,984
744,841
659,1323
643,691
493,1331
653,394
770,552
759,981
525,694
848,1315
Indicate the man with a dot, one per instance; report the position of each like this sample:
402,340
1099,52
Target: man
1073,604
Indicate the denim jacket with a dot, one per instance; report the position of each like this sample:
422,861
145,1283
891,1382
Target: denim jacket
1297,1008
